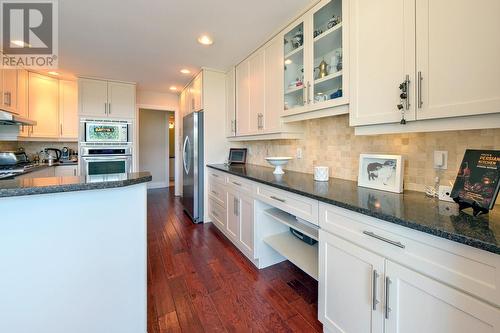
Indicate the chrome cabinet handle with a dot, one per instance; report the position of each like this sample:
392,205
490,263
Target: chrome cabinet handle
374,298
7,98
105,108
215,192
387,307
277,199
419,88
109,108
308,92
304,93
237,184
60,129
371,234
236,209
216,176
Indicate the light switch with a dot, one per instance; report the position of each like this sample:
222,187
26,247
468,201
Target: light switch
299,153
440,159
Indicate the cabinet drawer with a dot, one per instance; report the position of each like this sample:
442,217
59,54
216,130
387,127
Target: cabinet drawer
469,269
239,184
216,176
217,213
217,192
294,204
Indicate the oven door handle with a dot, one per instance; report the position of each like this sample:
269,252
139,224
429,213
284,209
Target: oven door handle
100,158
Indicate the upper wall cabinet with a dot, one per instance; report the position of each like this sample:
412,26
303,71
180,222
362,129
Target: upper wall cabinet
103,99
192,95
68,109
8,86
43,101
423,65
315,62
230,103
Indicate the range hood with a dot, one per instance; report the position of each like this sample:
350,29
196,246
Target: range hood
7,118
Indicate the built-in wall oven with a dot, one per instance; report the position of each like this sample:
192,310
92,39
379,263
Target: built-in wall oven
105,147
106,160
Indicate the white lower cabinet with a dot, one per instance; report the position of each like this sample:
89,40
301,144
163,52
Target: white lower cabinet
372,279
231,209
417,304
350,286
66,170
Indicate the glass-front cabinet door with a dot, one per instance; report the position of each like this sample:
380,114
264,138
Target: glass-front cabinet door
294,60
327,52
314,60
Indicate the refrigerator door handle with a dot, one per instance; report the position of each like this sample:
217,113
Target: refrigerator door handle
185,156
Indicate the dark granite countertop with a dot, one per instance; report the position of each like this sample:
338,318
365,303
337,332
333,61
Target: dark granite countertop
31,186
410,209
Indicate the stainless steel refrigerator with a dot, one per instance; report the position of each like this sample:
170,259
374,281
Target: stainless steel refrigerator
192,159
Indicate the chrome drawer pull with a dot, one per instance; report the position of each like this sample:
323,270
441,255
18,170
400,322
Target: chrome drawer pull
237,184
278,199
374,298
387,307
383,239
216,176
215,192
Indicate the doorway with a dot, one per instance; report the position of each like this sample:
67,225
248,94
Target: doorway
157,146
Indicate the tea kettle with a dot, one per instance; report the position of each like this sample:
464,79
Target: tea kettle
52,155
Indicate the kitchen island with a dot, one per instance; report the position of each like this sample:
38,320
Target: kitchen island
73,254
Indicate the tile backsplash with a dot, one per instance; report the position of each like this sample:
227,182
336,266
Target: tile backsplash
331,142
33,147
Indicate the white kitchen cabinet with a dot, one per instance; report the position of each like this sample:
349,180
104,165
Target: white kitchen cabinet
65,170
44,172
417,303
106,99
453,69
43,101
9,90
458,63
68,109
317,40
350,287
233,219
273,83
121,100
197,93
243,126
256,91
93,98
230,103
382,53
22,93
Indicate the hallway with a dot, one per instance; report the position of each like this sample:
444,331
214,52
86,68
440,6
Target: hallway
199,282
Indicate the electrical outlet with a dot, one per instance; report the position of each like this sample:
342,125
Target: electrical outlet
444,193
299,153
441,160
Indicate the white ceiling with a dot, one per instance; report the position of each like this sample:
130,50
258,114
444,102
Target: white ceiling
148,42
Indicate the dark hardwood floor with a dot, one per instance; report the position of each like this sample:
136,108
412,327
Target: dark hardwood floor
198,281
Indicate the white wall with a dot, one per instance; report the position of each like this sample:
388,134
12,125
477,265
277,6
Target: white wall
152,99
153,146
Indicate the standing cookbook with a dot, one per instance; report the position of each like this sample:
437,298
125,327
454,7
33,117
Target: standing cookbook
478,180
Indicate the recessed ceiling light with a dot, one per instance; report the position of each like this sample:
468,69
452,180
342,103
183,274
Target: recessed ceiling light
288,61
185,71
205,40
53,73
173,88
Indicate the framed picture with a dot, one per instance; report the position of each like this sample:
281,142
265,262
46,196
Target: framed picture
381,172
237,156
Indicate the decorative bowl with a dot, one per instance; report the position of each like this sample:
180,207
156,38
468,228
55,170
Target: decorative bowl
278,163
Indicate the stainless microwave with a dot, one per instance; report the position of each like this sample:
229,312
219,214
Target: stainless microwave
105,131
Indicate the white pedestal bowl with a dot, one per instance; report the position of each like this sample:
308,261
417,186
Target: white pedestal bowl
278,163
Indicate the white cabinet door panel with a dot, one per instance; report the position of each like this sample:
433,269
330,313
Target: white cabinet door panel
257,91
43,101
346,287
246,224
382,53
233,220
242,98
93,97
459,62
274,85
420,304
68,103
121,99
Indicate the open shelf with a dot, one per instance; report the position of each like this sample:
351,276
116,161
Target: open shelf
291,221
328,32
299,253
328,41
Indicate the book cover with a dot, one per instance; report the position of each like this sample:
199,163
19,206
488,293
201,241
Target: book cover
478,179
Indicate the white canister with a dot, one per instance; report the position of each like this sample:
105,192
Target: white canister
321,174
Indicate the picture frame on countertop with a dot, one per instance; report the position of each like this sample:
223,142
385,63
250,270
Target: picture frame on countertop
381,172
237,156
